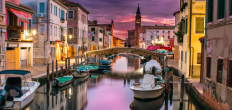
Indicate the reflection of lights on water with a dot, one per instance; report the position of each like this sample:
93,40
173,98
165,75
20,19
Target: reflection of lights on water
27,108
70,92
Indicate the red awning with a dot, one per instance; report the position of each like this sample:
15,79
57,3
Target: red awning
19,15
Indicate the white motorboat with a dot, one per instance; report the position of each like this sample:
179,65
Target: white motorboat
81,72
153,63
148,89
17,89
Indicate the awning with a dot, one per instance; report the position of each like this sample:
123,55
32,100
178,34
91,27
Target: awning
19,15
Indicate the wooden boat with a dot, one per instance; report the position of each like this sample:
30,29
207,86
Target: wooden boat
148,89
81,72
91,67
62,81
17,92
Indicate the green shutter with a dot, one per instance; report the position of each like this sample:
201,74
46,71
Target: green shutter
182,56
186,25
230,9
92,38
221,9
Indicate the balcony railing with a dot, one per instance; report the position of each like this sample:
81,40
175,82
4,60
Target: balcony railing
62,20
72,41
13,34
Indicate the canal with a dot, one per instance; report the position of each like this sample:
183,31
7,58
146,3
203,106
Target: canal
108,91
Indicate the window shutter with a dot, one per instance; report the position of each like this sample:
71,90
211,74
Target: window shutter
229,7
186,25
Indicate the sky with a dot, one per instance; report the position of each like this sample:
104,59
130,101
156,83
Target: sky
123,13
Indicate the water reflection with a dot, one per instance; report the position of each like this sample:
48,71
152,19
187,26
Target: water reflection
109,91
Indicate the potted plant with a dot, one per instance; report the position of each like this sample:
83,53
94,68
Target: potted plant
14,27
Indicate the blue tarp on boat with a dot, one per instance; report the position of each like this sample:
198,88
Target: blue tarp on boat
19,72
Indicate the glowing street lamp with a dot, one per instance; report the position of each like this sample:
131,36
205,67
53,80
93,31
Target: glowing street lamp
34,32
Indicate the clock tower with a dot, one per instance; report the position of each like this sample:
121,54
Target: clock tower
138,19
137,26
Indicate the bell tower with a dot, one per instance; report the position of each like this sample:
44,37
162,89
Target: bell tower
138,19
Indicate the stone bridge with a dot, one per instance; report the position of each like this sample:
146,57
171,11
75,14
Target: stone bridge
142,52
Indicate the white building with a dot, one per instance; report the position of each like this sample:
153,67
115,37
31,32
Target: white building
50,21
155,35
2,36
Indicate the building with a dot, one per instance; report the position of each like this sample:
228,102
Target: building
176,46
108,34
19,35
217,47
50,19
155,35
95,40
133,35
77,18
187,38
3,29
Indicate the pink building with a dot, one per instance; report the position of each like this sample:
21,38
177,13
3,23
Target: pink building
19,35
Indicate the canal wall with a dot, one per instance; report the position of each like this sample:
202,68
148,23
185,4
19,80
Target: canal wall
196,96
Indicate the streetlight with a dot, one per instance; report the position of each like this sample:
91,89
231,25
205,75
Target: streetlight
34,32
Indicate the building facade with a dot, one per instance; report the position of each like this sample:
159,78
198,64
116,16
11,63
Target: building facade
108,34
50,19
95,40
3,29
77,18
19,35
218,55
187,38
176,46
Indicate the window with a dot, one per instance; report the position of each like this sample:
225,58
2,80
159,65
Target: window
163,31
70,14
62,14
151,37
208,64
230,7
198,58
221,9
92,38
199,26
59,12
186,25
22,24
182,55
54,10
92,29
143,39
101,31
210,11
219,70
41,7
70,31
51,29
168,32
158,37
100,39
1,5
185,57
51,8
29,25
41,29
66,16
229,74
168,37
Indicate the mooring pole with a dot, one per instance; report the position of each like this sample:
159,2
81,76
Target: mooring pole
61,70
182,89
66,64
81,60
95,60
48,81
56,69
74,67
78,61
52,70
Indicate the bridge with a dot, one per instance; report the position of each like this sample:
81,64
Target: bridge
142,52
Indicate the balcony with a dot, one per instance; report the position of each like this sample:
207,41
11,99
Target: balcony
62,20
72,41
13,34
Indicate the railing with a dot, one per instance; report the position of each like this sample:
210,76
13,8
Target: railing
13,34
62,20
72,41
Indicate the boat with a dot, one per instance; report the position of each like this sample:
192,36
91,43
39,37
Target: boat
81,72
17,89
148,89
104,62
153,67
62,81
91,67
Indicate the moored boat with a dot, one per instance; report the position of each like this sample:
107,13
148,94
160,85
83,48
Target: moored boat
17,93
153,67
81,72
148,89
62,81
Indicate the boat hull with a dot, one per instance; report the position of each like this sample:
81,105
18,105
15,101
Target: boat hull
63,84
78,75
148,94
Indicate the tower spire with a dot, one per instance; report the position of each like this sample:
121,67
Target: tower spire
138,10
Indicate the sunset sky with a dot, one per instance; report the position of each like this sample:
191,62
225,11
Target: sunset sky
123,12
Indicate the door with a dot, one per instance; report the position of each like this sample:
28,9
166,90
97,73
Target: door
24,58
10,59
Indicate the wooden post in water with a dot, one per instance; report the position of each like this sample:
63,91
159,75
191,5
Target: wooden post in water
56,69
95,60
74,66
81,59
52,70
69,64
61,70
182,89
65,63
167,79
78,61
100,58
48,81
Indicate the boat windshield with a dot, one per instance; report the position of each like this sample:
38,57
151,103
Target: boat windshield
26,80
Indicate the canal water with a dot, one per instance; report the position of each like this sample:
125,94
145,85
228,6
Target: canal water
108,91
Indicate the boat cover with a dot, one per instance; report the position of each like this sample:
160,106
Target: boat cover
149,79
153,63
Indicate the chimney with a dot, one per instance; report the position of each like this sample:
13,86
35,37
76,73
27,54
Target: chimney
95,21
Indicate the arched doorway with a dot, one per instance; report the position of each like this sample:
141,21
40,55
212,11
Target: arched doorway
71,52
80,51
92,48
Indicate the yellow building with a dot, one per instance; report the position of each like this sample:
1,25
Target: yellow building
189,45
